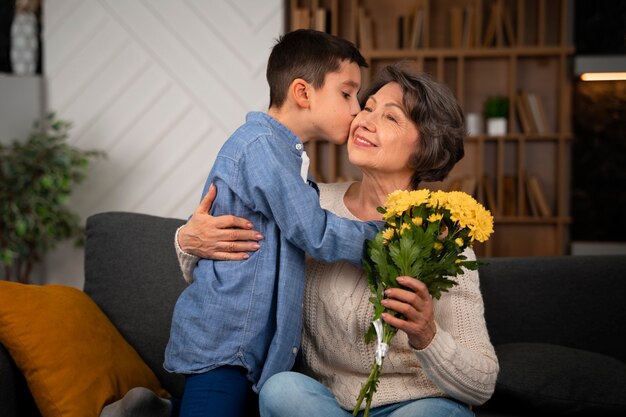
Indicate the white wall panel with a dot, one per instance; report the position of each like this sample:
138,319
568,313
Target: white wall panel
158,85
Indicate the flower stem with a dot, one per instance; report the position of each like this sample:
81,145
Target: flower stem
368,390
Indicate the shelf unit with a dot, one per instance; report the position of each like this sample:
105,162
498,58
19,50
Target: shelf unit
479,48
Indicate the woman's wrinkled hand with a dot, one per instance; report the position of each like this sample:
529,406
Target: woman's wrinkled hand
416,304
219,238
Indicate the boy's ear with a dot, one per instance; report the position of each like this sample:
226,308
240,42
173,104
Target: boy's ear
300,91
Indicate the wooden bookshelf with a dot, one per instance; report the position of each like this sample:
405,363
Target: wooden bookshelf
502,47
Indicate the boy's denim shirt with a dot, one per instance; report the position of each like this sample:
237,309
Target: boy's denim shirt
248,313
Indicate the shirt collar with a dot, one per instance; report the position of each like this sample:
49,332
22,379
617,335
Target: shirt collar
284,133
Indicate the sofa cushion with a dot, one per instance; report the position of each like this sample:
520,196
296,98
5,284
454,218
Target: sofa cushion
74,360
560,380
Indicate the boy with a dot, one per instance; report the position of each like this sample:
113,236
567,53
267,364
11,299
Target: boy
239,323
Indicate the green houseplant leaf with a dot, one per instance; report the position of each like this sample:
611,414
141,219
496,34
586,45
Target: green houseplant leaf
36,179
496,106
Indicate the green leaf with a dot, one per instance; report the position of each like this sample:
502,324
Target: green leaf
404,252
36,178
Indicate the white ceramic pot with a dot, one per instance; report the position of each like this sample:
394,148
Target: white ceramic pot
497,126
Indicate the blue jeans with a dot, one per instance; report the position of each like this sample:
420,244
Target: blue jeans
291,394
221,392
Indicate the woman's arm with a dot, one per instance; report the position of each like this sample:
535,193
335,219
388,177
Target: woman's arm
226,238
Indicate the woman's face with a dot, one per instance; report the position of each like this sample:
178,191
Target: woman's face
382,136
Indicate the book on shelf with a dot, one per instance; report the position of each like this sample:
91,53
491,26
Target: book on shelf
468,185
301,18
456,27
507,25
499,27
416,37
455,185
321,19
538,113
405,25
533,210
469,28
365,26
489,194
537,197
522,106
531,112
465,184
509,194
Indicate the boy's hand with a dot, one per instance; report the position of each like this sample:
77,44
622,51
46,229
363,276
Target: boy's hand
219,238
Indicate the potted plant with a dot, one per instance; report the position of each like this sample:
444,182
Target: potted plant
36,179
496,112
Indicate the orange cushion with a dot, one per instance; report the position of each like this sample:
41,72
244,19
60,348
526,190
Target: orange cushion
73,358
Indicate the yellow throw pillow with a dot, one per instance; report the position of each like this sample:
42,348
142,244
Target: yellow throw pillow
74,360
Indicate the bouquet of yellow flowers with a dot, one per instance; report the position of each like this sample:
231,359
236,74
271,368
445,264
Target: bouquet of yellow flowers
425,235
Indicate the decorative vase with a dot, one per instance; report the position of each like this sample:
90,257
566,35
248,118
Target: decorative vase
474,124
24,44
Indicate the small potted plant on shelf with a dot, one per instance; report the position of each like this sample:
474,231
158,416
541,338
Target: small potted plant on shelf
496,112
36,179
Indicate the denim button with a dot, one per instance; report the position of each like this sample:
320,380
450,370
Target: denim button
299,146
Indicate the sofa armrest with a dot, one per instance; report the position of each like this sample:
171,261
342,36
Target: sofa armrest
132,273
15,398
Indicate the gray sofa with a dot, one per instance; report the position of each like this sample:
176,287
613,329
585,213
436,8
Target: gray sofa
556,322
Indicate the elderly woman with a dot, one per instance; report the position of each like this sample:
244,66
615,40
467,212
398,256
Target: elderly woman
442,361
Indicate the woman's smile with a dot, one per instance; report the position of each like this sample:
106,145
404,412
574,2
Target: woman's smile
361,141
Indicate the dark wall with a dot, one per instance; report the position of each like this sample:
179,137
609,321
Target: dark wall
599,127
599,161
600,27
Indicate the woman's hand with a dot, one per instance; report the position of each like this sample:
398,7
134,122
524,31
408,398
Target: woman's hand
220,238
416,305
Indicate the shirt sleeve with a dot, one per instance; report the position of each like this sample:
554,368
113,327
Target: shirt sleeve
270,182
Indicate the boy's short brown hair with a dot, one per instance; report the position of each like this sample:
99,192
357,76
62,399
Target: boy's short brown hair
308,54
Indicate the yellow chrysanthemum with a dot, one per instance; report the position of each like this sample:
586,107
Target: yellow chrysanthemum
388,234
483,226
405,226
400,201
437,246
438,199
435,217
459,241
470,214
464,210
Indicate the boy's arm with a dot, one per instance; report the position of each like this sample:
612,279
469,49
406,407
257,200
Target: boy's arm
219,238
278,191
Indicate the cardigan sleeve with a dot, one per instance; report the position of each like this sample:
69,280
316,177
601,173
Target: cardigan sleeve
186,260
460,359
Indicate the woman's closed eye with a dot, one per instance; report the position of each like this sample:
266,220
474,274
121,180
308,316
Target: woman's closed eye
391,117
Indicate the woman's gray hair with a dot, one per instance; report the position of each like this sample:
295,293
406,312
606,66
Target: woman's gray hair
438,116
